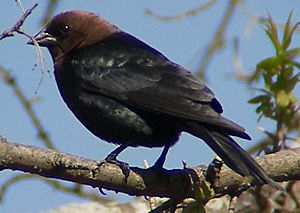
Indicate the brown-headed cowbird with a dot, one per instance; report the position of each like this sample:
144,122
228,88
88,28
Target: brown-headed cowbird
127,93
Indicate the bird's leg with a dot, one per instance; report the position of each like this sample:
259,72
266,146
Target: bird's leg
162,158
112,158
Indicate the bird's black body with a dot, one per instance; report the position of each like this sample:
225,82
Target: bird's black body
127,93
101,106
117,87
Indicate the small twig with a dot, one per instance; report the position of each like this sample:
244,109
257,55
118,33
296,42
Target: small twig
16,28
168,205
291,190
217,41
11,82
237,61
232,204
151,200
258,18
269,134
50,8
19,3
298,108
191,12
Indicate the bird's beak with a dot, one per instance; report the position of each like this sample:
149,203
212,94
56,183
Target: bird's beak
44,39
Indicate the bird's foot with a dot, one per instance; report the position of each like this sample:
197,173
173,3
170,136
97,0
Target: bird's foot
123,165
157,167
101,191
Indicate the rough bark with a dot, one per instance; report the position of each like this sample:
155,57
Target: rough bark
281,166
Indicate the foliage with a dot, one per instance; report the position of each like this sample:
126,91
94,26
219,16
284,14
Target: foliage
276,100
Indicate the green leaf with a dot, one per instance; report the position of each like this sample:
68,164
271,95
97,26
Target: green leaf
292,83
273,34
259,109
268,64
194,207
288,72
264,91
288,38
203,191
292,53
268,80
259,99
287,35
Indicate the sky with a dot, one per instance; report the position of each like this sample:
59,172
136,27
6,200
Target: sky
182,41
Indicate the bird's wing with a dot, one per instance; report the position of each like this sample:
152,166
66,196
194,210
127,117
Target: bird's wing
135,74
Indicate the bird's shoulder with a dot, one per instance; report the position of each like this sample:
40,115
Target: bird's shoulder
125,68
118,50
124,57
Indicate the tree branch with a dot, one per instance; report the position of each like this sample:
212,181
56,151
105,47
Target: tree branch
218,40
17,26
281,166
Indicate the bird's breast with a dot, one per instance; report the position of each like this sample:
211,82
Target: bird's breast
112,120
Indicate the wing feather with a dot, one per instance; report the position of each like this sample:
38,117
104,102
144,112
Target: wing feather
123,68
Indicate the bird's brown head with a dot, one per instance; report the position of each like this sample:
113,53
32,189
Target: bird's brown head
73,29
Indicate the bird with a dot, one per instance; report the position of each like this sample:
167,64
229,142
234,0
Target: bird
127,93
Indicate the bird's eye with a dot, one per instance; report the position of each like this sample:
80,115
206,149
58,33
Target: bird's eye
66,28
63,31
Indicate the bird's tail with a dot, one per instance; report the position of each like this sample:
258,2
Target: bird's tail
231,153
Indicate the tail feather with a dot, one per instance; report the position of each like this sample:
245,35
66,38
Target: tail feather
231,153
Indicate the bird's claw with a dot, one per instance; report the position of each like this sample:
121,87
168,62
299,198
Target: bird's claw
101,191
122,165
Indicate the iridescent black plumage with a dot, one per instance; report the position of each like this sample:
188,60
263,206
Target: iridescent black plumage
128,93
